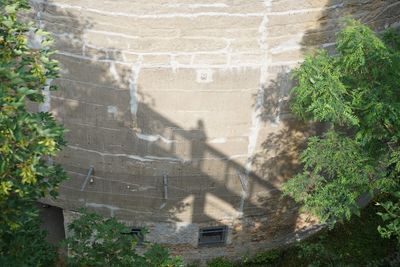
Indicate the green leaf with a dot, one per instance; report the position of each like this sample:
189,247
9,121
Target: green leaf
355,93
11,9
8,23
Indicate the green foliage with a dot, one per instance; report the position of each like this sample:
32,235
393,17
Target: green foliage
27,140
269,256
220,262
391,217
27,247
265,258
331,162
321,95
316,254
97,241
353,243
356,93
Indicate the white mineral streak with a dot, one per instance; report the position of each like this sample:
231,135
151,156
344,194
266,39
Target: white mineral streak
154,138
45,106
150,158
133,88
217,5
256,116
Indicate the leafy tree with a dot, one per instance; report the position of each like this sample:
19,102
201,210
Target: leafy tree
391,216
355,93
27,247
318,255
27,139
98,241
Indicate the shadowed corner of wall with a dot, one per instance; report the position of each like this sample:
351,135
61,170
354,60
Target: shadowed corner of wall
285,137
379,15
277,160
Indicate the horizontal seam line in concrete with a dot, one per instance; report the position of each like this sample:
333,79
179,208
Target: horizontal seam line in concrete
155,16
233,195
173,66
150,157
192,15
92,84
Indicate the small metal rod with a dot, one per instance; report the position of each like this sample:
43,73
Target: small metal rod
91,169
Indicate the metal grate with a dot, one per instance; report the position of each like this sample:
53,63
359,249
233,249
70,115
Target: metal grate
213,235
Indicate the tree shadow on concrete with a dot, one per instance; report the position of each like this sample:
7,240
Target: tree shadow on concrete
132,146
94,104
285,137
379,15
277,160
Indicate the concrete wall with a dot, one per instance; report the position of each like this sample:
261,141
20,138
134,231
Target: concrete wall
195,90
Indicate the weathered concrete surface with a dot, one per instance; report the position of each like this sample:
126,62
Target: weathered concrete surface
195,90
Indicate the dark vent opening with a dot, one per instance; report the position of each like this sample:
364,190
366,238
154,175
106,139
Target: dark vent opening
138,233
212,236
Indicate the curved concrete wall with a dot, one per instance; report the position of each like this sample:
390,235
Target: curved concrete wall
194,91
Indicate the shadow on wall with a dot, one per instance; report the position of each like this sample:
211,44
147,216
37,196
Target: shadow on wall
114,126
378,15
125,139
321,34
52,222
278,157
